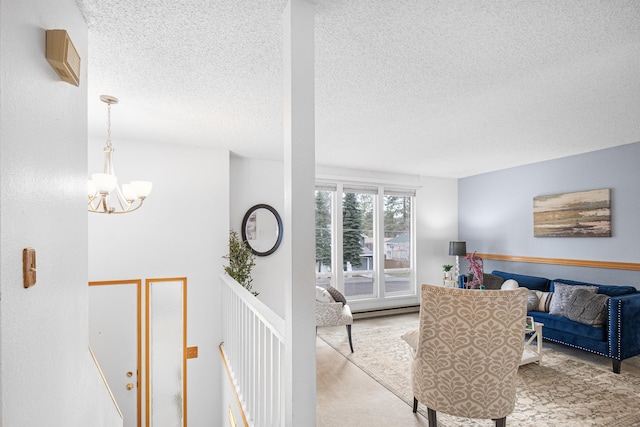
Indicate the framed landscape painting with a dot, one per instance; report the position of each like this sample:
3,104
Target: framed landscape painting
579,214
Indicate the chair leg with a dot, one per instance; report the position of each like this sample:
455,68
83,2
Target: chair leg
349,334
501,422
431,416
415,405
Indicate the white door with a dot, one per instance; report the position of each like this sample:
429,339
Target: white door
114,325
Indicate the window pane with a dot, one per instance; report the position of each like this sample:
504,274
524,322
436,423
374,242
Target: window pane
323,238
358,284
357,243
397,242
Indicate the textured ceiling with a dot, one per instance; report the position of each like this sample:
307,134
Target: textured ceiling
445,88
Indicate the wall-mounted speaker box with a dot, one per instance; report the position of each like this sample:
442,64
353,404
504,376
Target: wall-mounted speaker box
63,56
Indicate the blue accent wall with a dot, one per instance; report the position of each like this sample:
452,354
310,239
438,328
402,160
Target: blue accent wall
496,214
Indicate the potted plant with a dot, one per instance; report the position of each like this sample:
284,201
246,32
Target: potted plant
447,271
241,261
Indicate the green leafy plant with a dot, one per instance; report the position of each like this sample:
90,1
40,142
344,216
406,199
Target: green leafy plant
447,267
241,261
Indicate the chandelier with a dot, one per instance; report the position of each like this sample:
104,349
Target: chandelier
105,196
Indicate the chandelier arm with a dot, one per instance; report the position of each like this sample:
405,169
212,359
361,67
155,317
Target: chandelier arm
122,201
103,202
115,212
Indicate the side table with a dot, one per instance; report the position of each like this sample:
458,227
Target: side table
533,351
450,283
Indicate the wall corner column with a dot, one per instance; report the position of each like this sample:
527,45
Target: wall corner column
299,212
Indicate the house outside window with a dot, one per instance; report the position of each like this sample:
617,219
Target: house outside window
368,252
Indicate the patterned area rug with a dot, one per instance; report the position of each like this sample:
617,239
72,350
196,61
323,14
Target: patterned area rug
564,391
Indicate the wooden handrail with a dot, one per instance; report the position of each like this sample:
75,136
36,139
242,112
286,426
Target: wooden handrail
233,385
631,266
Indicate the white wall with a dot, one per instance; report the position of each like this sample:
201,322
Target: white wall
180,231
436,224
256,181
47,376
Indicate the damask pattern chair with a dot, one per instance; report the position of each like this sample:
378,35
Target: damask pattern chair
332,310
469,345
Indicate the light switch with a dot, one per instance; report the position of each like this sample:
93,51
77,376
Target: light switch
29,267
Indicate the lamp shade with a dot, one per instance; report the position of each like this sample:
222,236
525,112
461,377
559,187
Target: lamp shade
142,188
104,182
458,248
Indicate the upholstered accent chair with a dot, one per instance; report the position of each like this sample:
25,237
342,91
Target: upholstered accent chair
332,310
469,345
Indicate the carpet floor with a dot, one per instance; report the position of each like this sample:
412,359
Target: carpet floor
566,390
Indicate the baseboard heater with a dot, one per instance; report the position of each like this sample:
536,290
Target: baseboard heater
386,311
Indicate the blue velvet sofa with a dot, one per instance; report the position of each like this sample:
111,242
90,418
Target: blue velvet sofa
619,339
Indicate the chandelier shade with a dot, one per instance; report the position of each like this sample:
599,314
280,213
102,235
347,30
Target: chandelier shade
104,194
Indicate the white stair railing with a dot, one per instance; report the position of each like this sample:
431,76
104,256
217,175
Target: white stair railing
253,348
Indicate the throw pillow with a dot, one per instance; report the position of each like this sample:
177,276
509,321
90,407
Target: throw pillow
588,308
509,284
544,301
489,281
539,301
532,301
322,295
337,295
561,295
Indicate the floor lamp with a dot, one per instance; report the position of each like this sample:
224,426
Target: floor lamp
458,249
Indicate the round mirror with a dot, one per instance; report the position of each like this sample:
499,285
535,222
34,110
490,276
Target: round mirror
262,229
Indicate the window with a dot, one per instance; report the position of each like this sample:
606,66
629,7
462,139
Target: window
368,251
324,237
397,243
358,242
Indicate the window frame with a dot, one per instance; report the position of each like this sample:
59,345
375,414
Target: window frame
337,274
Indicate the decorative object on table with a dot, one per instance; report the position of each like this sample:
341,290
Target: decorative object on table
529,324
476,269
241,262
102,186
457,249
579,214
262,229
447,271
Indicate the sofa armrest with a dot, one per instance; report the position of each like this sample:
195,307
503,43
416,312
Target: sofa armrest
624,333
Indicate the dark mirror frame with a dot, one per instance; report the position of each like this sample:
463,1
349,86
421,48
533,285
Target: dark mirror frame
243,229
